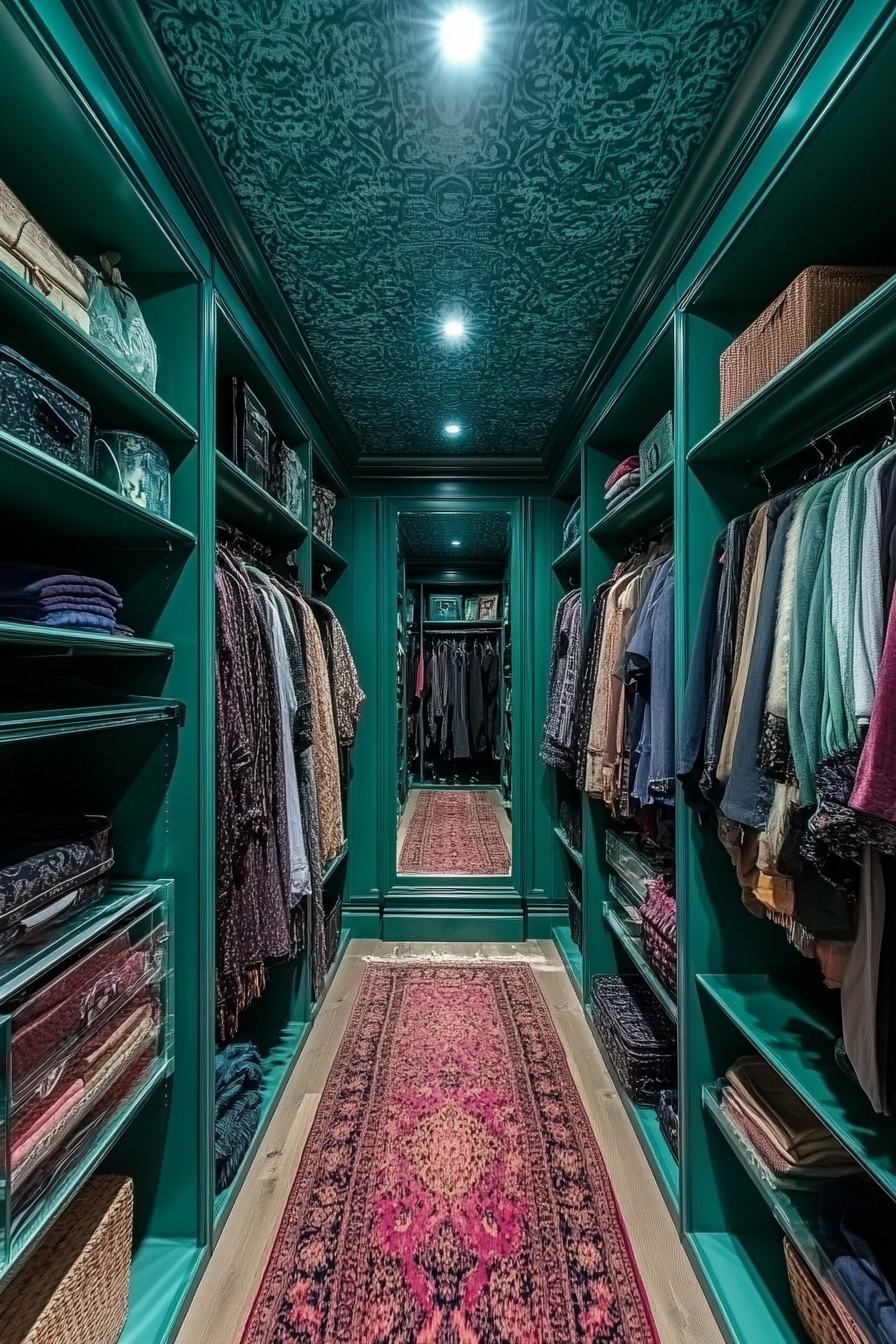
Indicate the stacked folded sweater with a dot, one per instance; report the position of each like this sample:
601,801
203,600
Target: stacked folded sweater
857,1230
237,1108
46,595
622,482
779,1126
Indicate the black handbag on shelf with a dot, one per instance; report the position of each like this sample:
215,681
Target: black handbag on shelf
252,434
43,412
49,865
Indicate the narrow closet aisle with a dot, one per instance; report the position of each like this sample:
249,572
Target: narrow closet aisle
447,733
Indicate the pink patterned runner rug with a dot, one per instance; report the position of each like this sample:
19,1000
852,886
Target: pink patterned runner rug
451,1190
454,831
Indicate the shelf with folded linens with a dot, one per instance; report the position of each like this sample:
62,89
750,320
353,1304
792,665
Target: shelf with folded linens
630,943
30,724
645,508
54,642
799,1040
40,492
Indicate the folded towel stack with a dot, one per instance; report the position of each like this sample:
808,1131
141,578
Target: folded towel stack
45,595
237,1108
789,1137
621,482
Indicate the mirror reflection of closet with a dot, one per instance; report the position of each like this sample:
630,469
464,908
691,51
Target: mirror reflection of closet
455,695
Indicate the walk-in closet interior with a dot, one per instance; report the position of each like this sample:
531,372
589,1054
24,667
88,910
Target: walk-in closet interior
447,559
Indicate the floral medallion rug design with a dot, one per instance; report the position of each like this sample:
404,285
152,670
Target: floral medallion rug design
454,831
451,1190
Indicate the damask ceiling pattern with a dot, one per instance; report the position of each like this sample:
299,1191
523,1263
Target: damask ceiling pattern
481,534
390,191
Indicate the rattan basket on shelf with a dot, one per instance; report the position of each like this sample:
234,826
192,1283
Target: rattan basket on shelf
73,1288
825,1322
813,302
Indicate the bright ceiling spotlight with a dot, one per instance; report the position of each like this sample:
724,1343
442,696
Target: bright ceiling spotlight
453,329
462,34
455,543
452,428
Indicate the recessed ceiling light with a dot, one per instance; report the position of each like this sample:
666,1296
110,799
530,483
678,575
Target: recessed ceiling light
455,543
453,329
462,35
452,428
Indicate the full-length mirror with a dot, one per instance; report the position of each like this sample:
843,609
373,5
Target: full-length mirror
455,697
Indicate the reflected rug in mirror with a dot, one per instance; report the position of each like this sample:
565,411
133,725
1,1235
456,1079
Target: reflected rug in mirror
451,1190
455,831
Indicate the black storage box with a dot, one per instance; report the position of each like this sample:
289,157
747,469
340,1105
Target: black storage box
42,412
252,434
639,1037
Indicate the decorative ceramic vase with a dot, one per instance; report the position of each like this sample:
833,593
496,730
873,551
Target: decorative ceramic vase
136,467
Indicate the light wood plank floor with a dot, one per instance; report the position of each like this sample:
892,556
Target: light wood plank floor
226,1293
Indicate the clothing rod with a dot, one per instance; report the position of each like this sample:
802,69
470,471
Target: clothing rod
888,398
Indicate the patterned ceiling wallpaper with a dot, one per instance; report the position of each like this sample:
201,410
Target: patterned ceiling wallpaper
390,191
482,535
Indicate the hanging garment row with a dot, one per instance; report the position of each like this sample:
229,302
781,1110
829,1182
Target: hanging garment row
454,703
287,697
789,733
609,726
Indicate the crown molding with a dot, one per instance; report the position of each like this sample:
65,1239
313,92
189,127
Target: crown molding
414,466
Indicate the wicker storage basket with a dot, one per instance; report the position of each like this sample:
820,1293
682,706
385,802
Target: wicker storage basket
827,1321
28,250
74,1288
813,302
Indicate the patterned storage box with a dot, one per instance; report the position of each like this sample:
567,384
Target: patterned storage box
42,412
813,302
323,502
659,931
657,449
49,866
639,1037
288,479
74,1289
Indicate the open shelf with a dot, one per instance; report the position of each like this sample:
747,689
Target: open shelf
795,1212
646,1124
798,1040
37,329
40,492
647,507
163,1271
573,853
571,957
456,625
322,554
56,642
28,725
568,561
22,964
238,500
747,1285
330,868
836,376
635,953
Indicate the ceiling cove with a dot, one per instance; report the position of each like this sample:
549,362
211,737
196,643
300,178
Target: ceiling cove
393,192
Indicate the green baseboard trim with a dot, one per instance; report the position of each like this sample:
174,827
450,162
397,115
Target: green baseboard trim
428,927
362,923
540,919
